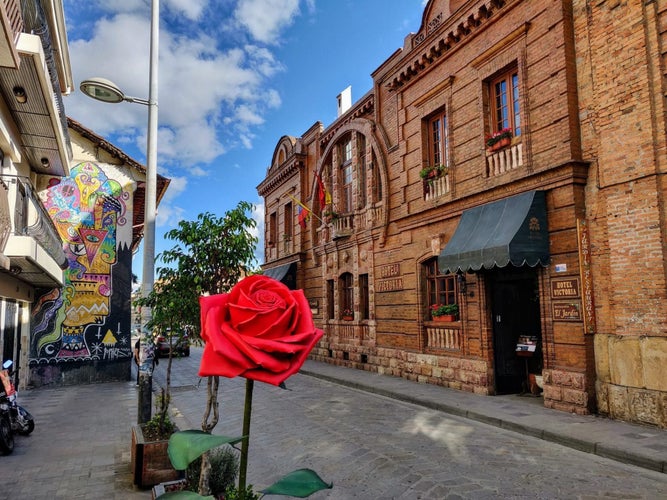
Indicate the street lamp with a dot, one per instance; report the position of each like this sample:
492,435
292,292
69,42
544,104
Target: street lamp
107,91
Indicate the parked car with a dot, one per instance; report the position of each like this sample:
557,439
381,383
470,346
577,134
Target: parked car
180,344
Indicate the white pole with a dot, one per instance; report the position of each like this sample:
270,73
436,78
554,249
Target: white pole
148,277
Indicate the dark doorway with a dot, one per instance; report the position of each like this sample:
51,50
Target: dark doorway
515,308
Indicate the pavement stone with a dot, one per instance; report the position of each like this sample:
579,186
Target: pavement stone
376,437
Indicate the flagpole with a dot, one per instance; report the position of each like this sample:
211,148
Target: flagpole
305,208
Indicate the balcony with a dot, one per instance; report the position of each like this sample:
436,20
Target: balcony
443,336
343,226
32,87
12,25
504,160
34,248
437,187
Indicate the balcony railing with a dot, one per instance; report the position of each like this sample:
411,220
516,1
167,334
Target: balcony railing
347,332
443,337
435,188
343,226
505,160
38,224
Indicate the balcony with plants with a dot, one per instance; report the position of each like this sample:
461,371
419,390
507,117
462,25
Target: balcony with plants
435,181
504,152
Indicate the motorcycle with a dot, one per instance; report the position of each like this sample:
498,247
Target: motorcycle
13,417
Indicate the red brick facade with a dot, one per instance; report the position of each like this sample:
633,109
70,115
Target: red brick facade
586,92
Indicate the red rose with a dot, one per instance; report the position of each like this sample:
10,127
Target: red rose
261,330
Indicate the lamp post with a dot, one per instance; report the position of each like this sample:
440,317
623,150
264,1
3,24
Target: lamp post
106,91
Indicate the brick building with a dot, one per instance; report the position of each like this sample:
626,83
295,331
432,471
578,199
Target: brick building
509,159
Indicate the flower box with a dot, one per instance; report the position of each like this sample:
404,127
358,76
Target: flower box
445,318
499,140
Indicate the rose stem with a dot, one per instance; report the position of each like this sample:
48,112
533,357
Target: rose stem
247,410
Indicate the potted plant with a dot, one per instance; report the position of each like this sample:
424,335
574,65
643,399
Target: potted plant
499,139
444,312
330,215
432,172
348,314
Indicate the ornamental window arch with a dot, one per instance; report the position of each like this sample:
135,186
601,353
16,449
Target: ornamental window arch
353,173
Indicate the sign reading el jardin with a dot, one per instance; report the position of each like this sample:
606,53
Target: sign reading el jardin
566,288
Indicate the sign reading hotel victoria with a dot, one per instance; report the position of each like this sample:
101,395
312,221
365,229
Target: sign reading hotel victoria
566,288
391,279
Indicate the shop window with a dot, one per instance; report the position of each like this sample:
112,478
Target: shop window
346,297
440,288
363,297
505,104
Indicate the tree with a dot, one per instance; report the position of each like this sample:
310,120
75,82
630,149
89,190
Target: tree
210,255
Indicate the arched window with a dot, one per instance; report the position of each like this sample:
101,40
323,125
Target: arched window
346,170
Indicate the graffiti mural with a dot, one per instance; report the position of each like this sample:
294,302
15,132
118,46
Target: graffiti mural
89,318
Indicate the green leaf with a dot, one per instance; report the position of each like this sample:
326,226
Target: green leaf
186,446
183,495
300,483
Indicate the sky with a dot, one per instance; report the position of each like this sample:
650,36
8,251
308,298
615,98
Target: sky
234,77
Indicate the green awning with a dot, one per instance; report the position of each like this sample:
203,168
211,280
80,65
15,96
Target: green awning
513,230
285,273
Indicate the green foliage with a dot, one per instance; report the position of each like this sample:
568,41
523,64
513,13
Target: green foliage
233,493
186,446
210,255
159,427
300,483
443,309
224,463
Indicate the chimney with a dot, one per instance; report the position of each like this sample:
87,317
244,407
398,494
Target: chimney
344,100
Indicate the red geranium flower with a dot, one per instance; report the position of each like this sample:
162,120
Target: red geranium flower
260,330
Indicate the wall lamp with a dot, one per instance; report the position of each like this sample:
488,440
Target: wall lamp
463,285
20,95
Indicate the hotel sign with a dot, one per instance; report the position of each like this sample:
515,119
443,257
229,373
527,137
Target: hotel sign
565,288
395,281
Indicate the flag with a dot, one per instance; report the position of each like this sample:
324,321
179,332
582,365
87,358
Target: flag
303,212
302,217
321,191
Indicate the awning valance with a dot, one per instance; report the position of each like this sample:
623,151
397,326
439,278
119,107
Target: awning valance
285,273
513,230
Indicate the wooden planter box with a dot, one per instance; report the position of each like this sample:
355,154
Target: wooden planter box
150,463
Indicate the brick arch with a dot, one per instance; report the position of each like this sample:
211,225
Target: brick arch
374,141
283,150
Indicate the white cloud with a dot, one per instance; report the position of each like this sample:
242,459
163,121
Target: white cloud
265,19
200,84
192,9
169,214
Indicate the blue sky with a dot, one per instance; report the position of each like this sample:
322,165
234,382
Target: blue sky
234,77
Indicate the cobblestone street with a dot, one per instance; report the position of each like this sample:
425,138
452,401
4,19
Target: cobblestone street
373,447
